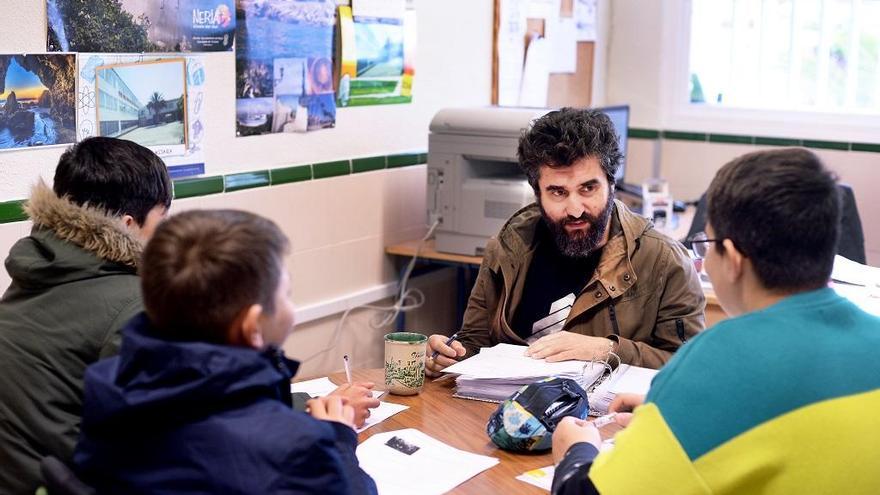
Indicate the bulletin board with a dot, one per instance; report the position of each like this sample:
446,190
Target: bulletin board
570,89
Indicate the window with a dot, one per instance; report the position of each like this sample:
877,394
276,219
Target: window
788,55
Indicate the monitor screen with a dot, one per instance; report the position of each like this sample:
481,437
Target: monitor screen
619,116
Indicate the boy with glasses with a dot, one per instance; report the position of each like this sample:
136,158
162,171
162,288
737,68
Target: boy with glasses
753,404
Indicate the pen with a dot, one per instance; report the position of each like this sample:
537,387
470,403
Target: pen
448,341
604,420
347,368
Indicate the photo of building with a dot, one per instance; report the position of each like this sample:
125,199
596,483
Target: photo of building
143,102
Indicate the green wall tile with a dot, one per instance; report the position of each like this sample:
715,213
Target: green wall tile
828,145
403,160
246,180
331,169
201,186
684,136
731,138
367,164
290,174
637,133
11,211
774,141
874,148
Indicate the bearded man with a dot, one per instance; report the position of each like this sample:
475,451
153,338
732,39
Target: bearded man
577,275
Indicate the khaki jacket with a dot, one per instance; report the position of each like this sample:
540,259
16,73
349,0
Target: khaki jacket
645,293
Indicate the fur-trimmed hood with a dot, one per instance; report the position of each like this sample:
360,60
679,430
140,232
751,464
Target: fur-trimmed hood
90,228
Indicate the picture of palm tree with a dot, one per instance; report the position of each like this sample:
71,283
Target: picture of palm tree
155,104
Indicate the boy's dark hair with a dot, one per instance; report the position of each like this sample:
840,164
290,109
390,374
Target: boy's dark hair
116,175
562,137
202,268
782,210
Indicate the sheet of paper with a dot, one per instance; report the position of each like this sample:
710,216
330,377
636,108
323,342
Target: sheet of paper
511,50
536,74
561,34
850,272
541,477
408,461
381,413
866,298
585,14
544,9
380,9
634,380
510,361
319,387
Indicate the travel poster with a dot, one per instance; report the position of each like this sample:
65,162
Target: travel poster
155,101
37,98
137,26
376,59
284,68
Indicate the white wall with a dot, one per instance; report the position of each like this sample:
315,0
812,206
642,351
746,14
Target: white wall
338,226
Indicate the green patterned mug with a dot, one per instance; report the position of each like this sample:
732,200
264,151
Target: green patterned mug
405,362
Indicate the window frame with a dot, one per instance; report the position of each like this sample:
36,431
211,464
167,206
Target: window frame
680,114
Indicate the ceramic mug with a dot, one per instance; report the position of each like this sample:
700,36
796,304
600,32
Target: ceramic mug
405,362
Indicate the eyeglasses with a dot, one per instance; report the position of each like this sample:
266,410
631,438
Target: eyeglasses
700,242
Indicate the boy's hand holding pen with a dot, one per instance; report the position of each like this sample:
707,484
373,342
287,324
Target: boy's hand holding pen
442,352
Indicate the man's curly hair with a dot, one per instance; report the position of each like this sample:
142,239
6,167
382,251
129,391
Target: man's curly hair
562,137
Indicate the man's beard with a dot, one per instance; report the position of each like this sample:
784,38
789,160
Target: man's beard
579,243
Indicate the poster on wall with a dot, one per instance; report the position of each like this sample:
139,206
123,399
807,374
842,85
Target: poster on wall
155,101
376,56
137,26
283,66
37,95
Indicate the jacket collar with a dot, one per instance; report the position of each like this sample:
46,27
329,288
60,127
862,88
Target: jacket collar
91,228
170,381
613,276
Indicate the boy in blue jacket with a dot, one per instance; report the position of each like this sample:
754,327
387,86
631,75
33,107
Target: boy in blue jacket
198,400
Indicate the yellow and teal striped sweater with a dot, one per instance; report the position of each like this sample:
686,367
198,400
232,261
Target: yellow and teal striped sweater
781,400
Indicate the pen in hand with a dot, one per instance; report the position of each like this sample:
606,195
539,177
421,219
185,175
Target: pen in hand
448,341
347,367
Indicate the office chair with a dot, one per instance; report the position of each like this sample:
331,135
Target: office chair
852,239
61,480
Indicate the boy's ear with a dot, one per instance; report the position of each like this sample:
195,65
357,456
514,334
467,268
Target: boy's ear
245,330
129,221
734,260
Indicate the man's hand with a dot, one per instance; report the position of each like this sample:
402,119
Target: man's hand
570,431
564,346
446,357
331,408
359,396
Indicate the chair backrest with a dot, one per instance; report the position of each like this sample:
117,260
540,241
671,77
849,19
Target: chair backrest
61,480
852,239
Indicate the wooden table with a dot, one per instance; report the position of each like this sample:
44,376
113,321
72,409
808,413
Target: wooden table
460,423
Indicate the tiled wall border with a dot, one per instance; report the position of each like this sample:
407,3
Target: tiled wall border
11,211
639,133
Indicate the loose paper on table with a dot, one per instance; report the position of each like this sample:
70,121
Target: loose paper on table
417,463
319,387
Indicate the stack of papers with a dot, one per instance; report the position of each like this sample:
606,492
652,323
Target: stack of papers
409,461
497,372
626,379
319,387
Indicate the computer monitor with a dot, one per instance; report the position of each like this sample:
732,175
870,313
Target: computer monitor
619,116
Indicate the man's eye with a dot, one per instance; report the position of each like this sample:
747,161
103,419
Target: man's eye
557,192
589,188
